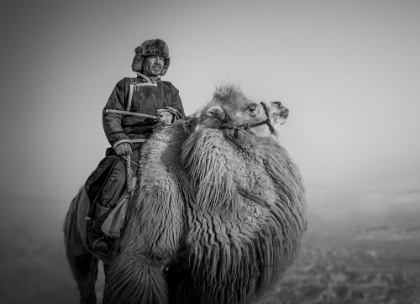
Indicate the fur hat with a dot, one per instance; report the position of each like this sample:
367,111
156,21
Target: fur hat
149,48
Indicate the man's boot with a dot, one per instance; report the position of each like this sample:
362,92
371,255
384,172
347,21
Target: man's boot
98,241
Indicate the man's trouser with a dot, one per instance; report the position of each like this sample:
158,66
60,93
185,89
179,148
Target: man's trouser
113,188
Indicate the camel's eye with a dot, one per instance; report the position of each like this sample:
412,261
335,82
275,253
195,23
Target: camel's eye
252,108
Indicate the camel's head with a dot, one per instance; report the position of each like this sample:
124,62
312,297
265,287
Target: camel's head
229,108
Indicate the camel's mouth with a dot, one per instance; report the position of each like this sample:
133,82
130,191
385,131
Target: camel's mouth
281,117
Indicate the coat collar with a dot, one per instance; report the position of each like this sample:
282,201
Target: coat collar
144,78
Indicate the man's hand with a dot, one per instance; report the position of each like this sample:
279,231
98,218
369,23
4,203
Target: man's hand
123,149
164,116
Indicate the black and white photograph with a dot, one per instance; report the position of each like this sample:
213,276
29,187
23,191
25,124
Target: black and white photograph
210,152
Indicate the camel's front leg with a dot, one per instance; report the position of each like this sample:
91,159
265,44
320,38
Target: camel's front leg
135,278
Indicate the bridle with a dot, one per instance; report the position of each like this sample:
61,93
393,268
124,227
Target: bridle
246,127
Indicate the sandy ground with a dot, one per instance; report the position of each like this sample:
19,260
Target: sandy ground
359,248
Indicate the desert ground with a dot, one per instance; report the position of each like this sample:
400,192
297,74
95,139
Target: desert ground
360,247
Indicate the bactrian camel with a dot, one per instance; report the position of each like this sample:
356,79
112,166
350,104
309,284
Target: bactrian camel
218,216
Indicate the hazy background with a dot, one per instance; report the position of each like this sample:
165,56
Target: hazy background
349,72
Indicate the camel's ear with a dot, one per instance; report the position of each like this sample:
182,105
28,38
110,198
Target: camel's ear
216,112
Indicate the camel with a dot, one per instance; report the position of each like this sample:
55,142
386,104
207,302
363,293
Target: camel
201,229
248,216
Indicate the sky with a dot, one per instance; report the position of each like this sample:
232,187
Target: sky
349,72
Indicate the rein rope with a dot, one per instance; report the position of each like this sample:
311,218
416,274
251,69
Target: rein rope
246,127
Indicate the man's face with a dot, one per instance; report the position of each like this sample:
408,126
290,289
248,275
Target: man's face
152,66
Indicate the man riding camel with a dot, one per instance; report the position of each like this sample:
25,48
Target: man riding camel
144,94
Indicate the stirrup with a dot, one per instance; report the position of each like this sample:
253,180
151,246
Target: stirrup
106,241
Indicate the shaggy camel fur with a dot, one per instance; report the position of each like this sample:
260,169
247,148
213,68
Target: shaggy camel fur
219,225
248,216
156,231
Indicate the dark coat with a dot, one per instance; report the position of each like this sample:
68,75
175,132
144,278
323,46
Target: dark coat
146,98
